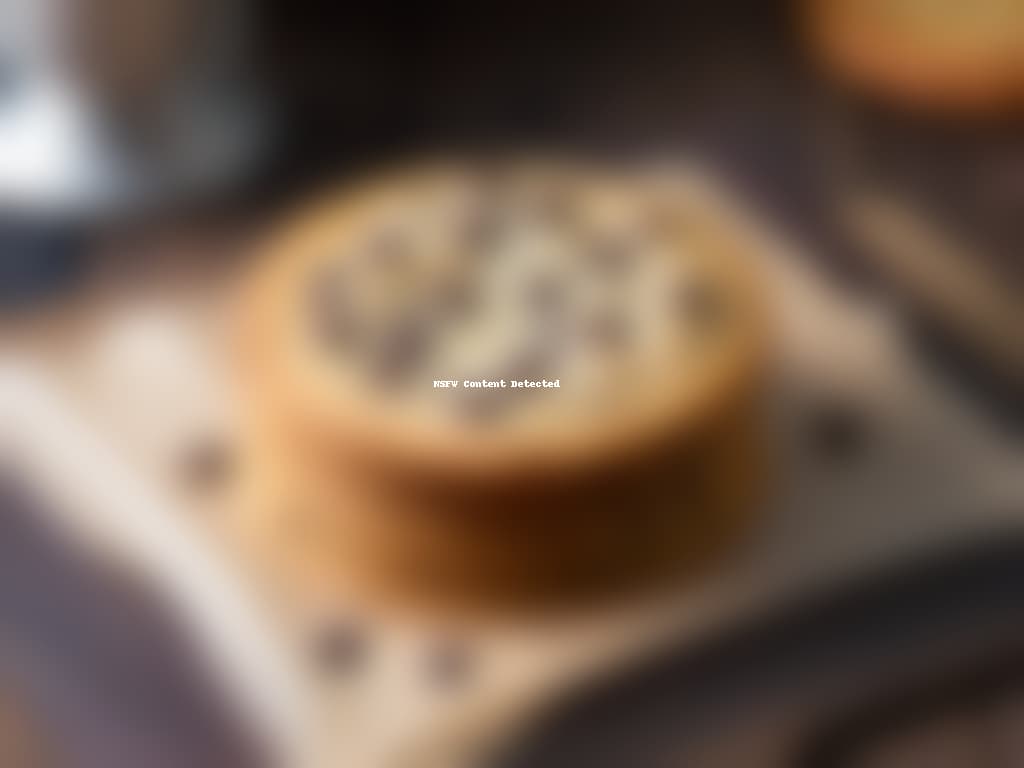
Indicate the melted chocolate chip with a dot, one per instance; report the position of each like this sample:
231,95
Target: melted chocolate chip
554,207
340,648
482,407
449,665
390,250
700,305
331,315
458,299
612,257
207,464
607,331
400,351
481,231
660,222
545,295
535,363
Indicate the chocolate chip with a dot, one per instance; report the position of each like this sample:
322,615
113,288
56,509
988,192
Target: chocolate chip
332,317
700,304
481,231
449,665
339,648
555,207
458,298
389,250
608,331
207,464
481,407
612,257
660,223
837,431
400,351
535,362
545,295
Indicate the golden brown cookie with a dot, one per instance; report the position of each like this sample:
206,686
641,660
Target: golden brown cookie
512,380
951,56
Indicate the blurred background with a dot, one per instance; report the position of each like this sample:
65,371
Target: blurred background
146,146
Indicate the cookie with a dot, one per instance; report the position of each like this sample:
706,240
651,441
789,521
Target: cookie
500,381
961,57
